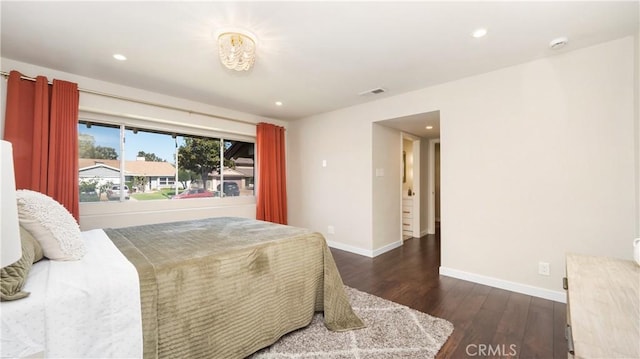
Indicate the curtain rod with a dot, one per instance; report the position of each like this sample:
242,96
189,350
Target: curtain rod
104,94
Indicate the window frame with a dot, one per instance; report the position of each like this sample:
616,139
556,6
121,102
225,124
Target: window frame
168,128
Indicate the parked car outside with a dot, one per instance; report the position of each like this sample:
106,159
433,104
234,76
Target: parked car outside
230,189
113,193
194,193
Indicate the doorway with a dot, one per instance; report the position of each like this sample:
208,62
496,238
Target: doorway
420,129
437,184
410,186
433,211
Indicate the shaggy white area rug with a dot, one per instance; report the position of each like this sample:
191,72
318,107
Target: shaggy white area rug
393,331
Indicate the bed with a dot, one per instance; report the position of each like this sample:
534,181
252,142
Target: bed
211,288
87,308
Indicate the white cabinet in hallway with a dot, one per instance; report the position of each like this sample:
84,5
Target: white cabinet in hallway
407,217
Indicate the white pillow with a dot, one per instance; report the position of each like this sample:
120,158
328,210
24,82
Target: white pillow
51,225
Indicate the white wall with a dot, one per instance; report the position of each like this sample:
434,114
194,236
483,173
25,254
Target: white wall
540,160
341,193
116,214
637,131
387,203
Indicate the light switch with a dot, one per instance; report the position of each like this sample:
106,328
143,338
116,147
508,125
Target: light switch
379,172
324,163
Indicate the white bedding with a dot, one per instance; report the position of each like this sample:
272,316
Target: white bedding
77,309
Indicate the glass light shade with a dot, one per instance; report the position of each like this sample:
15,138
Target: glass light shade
10,245
237,50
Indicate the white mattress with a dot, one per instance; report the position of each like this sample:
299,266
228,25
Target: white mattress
77,309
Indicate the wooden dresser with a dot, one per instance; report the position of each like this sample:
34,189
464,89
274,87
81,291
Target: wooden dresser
603,307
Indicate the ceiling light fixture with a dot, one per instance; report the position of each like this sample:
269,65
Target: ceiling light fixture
429,127
119,57
478,33
237,49
278,103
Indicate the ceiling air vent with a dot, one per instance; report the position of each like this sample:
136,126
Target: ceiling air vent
374,91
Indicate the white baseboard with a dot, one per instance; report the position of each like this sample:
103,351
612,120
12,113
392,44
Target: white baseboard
352,249
387,248
505,284
364,252
424,233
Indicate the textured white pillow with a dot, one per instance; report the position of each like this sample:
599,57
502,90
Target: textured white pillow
51,225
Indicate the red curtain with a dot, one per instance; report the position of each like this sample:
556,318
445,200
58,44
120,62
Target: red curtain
41,122
272,182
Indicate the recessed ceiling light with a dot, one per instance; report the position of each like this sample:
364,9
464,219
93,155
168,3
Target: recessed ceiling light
429,127
119,57
479,33
558,43
278,103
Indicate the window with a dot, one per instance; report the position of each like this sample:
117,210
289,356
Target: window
99,165
160,165
166,181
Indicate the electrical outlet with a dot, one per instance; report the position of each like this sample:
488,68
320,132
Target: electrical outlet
543,268
331,230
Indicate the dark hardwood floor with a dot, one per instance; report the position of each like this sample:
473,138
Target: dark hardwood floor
488,322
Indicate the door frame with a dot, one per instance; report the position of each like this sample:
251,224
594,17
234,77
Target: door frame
415,219
431,185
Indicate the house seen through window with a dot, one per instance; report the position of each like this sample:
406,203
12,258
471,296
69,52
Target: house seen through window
154,165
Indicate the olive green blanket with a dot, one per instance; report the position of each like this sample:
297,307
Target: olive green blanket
226,287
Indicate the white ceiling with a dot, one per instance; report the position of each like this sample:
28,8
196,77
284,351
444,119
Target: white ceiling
313,56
